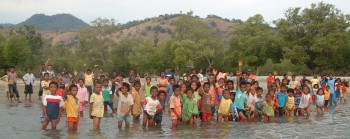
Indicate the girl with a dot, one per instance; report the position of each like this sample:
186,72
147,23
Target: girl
305,100
224,107
72,108
83,96
327,95
147,87
251,104
151,107
175,106
286,82
320,101
290,105
337,88
161,98
162,81
268,108
190,108
136,95
125,105
297,97
314,92
96,106
180,82
343,92
273,99
194,87
278,84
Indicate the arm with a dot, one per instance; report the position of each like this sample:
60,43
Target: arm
59,116
45,113
129,111
23,79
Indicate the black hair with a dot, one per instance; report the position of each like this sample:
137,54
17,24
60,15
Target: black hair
290,90
126,85
54,83
148,78
206,83
137,83
154,87
81,80
160,92
319,90
98,82
72,86
88,70
229,81
259,89
105,80
171,78
243,83
190,89
46,74
175,87
283,85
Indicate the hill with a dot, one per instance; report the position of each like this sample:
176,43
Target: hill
58,22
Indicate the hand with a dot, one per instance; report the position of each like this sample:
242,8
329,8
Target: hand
184,74
85,65
240,63
75,73
215,71
91,117
47,118
57,121
275,72
95,66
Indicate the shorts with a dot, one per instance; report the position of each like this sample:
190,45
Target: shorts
281,111
28,89
205,116
333,98
337,93
223,115
73,119
259,112
158,117
124,118
81,106
241,110
52,120
148,116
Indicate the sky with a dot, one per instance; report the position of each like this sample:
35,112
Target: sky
16,11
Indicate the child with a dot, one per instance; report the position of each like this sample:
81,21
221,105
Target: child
258,102
83,96
5,78
12,84
320,101
206,102
290,103
190,108
162,81
194,87
28,80
161,98
175,106
96,106
268,109
314,92
343,92
151,108
147,87
125,105
229,85
282,98
136,95
107,96
327,95
169,88
232,116
297,97
72,108
305,100
45,84
52,107
219,91
241,99
224,108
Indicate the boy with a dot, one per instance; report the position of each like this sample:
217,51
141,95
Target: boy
169,88
96,106
136,95
89,80
28,80
270,80
241,99
83,96
159,116
175,106
258,102
12,75
206,104
52,107
147,87
107,96
282,98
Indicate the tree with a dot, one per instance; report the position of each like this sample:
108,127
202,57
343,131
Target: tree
319,35
16,51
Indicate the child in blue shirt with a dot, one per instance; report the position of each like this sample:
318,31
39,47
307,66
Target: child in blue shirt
282,98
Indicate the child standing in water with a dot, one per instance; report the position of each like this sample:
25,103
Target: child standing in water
206,103
327,95
282,98
72,108
268,109
147,87
151,107
136,95
224,107
161,98
52,107
125,106
175,106
290,103
96,106
241,99
107,97
320,101
83,96
190,108
305,101
162,81
258,102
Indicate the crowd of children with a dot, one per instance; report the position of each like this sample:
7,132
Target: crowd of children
200,96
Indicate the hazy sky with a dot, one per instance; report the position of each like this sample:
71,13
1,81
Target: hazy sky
15,11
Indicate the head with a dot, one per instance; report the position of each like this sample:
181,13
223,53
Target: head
183,88
212,79
105,83
268,97
46,76
190,93
243,86
277,81
125,88
172,81
285,81
226,94
154,91
232,96
272,92
73,89
259,91
132,72
244,75
270,74
66,74
102,77
176,72
320,91
315,75
162,74
137,85
64,69
290,92
161,95
293,77
180,82
328,87
88,71
316,86
283,88
81,82
194,86
201,71
29,70
42,66
98,87
194,78
49,67
255,84
148,80
177,90
206,87
229,84
193,71
101,70
285,76
12,69
306,89
331,76
221,82
53,87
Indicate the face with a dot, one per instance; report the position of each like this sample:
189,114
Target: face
177,91
243,87
47,77
29,70
201,71
268,97
101,70
206,88
194,85
290,93
226,94
229,85
172,81
245,76
190,94
98,87
154,92
283,89
49,67
42,66
53,88
176,72
137,87
162,97
88,72
293,78
124,89
183,88
74,91
270,74
148,80
232,96
65,75
81,82
194,79
221,82
105,83
212,79
64,69
162,74
306,90
320,92
132,72
102,78
12,70
181,82
259,92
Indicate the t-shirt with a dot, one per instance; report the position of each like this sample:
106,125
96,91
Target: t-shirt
314,81
293,84
60,92
297,97
251,101
45,84
106,92
270,80
53,103
240,99
72,106
29,78
290,103
89,79
206,103
218,94
258,102
97,109
331,83
169,90
147,90
51,73
83,94
224,106
320,100
304,100
175,104
151,105
268,109
327,95
190,108
124,104
282,99
136,108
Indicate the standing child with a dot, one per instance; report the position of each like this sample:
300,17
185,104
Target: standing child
96,106
72,108
175,106
258,102
241,99
107,96
320,101
162,81
282,98
206,104
125,106
327,95
297,97
28,80
169,88
83,96
52,107
5,78
151,108
12,75
194,87
314,92
224,108
147,87
161,98
343,92
290,103
190,108
268,109
305,100
45,84
136,95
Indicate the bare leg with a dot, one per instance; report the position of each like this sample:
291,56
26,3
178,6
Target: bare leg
96,123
